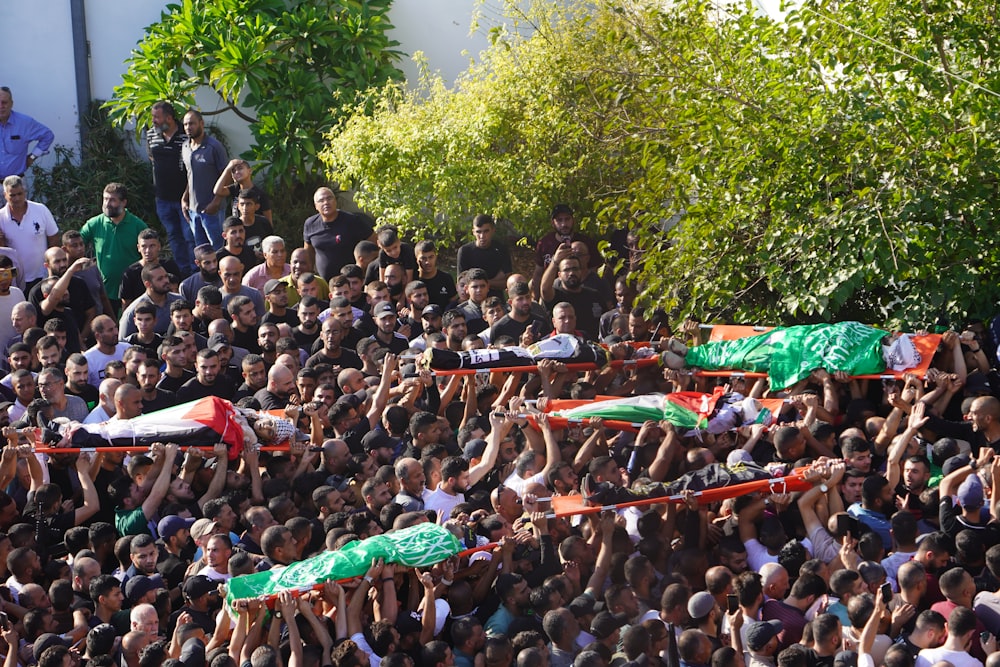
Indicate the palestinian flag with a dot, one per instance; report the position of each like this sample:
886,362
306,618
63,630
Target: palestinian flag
422,545
203,422
684,409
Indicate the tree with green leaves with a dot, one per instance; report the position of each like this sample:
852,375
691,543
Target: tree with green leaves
287,67
836,163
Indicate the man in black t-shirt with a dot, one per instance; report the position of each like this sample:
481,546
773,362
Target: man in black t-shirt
331,234
487,254
520,318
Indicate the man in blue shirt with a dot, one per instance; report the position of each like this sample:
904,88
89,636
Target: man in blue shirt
17,133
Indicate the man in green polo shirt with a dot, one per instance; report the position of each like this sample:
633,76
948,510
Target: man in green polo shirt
115,235
133,511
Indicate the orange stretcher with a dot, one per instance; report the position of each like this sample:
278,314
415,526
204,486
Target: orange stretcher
570,505
617,363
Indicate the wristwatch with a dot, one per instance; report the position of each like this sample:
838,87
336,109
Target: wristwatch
824,488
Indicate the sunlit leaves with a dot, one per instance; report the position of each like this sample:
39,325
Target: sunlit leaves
288,67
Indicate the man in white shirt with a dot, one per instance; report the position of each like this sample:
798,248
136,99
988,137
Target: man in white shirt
28,227
108,348
105,408
961,634
451,488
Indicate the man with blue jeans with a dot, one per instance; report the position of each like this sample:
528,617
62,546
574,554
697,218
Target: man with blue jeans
165,141
205,159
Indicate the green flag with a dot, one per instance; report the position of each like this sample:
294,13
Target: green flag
789,354
422,545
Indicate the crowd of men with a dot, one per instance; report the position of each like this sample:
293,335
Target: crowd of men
891,558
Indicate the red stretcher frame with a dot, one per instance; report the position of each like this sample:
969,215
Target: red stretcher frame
571,505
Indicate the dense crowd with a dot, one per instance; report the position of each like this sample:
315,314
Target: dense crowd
892,557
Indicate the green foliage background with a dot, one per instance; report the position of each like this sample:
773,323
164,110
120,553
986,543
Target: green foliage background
837,164
285,66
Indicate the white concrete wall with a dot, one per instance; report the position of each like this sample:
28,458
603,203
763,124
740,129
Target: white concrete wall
43,81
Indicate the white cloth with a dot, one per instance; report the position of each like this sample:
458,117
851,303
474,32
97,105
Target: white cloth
97,360
442,502
517,483
30,237
97,415
931,656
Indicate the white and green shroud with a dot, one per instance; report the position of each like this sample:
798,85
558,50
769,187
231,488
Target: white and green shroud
684,409
422,545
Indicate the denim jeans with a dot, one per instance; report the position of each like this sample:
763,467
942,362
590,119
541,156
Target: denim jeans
179,236
207,227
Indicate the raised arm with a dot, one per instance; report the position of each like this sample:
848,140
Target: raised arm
500,426
218,483
595,585
429,617
162,484
91,502
382,391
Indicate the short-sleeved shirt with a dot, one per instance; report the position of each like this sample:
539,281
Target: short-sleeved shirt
263,198
441,288
29,237
407,259
334,241
132,288
492,260
204,164
587,305
115,247
131,522
169,175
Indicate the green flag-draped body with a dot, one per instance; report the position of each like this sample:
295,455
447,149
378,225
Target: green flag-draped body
685,409
422,545
789,354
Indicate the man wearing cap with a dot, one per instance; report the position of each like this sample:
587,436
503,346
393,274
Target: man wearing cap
965,484
332,351
141,590
278,311
174,534
762,643
385,333
607,629
562,233
201,596
705,615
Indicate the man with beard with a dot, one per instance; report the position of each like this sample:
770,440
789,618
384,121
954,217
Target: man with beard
128,402
153,398
244,320
204,160
451,488
77,374
332,352
308,331
254,371
234,234
385,333
395,280
278,311
416,300
217,553
982,428
157,293
913,485
165,141
68,291
52,387
149,251
114,235
520,318
562,234
342,309
267,341
207,263
877,502
453,322
209,380
201,601
280,387
585,301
